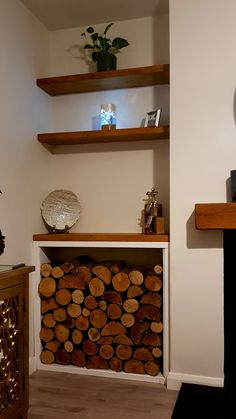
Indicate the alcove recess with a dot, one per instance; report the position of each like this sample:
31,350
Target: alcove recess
98,341
107,80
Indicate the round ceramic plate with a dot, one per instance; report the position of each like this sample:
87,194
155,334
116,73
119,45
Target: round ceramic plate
60,210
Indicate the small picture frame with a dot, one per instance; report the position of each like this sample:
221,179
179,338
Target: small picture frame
152,118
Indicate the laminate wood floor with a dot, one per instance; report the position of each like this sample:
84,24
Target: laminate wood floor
55,395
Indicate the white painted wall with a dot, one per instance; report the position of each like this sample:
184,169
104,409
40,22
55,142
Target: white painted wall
202,150
24,110
111,180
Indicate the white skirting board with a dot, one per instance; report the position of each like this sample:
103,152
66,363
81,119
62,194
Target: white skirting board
32,364
174,380
159,379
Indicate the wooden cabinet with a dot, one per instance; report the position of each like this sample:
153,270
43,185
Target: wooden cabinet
106,80
14,353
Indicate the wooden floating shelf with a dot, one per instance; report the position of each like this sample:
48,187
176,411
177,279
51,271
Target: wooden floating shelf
103,136
109,237
105,80
215,216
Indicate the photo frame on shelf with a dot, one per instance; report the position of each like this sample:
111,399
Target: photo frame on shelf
152,118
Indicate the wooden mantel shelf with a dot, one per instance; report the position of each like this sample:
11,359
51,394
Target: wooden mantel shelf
105,80
103,136
215,216
109,237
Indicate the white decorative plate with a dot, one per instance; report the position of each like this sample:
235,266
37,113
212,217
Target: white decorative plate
60,210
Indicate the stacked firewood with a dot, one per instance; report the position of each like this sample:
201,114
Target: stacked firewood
102,316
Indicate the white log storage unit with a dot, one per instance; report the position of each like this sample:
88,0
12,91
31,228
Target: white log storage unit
46,244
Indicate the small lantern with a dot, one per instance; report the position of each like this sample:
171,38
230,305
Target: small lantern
108,116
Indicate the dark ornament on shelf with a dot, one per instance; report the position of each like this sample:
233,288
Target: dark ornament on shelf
2,243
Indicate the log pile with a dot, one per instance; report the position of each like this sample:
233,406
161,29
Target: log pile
102,316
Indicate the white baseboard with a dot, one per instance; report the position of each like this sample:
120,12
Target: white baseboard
174,380
159,379
32,364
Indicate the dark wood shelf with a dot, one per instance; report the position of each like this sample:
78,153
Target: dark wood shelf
103,136
109,237
215,216
105,80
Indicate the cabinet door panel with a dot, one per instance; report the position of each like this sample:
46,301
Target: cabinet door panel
11,350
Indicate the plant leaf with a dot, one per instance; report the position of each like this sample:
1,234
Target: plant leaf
88,46
90,29
94,36
108,27
119,43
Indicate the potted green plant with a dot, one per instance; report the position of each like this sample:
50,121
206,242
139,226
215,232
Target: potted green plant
103,50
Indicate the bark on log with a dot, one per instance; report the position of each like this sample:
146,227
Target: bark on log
137,332
60,314
57,272
134,291
67,267
47,287
46,334
71,281
136,277
113,328
62,357
123,352
48,320
63,296
152,368
90,302
121,281
74,310
143,354
85,273
82,323
61,333
97,362
134,366
106,352
77,296
152,298
127,320
46,269
113,297
93,334
148,312
69,322
90,348
153,282
116,364
47,357
77,336
48,304
102,272
98,318
114,311
78,358
53,346
131,305
96,287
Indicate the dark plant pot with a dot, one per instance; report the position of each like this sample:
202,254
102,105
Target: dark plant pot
106,62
